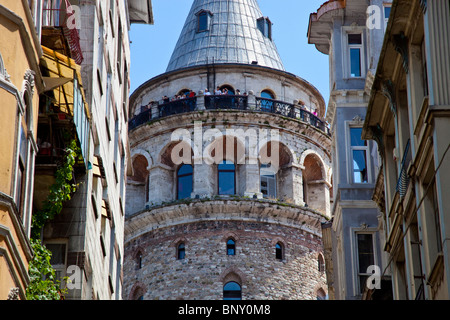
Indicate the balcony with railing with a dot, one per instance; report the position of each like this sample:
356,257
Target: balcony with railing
59,29
63,111
403,178
155,110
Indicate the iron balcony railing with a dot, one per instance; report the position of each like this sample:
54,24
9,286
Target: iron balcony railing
213,102
217,102
403,178
60,14
291,111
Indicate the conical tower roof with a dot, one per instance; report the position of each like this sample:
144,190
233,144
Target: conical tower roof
225,31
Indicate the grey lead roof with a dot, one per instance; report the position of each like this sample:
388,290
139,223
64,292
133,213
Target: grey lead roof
233,37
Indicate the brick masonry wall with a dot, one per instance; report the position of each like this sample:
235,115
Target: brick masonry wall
202,274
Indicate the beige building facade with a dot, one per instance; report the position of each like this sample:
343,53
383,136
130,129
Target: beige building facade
20,86
409,118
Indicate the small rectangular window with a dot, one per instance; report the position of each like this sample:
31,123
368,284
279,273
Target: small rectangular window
355,62
366,257
203,20
359,151
354,38
355,55
387,12
265,26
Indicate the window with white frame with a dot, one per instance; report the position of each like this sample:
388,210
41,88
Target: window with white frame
359,156
354,57
365,257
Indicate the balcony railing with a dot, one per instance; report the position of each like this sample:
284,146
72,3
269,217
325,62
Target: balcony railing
403,179
213,102
56,14
291,111
217,102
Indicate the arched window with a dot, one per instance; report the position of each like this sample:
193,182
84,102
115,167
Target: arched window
230,89
184,181
268,181
183,92
321,263
231,247
226,178
181,251
267,105
321,295
232,291
279,251
139,260
267,94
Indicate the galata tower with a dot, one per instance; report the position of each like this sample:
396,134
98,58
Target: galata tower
231,168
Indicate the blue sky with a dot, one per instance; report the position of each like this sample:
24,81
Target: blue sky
152,45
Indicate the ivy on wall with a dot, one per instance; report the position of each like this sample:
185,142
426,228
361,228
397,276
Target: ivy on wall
43,283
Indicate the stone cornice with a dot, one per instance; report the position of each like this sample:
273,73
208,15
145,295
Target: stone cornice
233,119
196,210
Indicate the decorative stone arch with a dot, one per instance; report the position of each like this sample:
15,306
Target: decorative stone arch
138,290
283,243
138,184
228,146
309,152
320,262
320,292
282,163
141,152
225,147
230,235
316,188
163,172
175,244
137,256
232,274
174,153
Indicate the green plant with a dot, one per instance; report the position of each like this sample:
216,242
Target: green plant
43,283
60,191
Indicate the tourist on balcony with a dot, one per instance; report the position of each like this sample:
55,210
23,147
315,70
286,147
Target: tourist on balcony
165,99
207,93
218,92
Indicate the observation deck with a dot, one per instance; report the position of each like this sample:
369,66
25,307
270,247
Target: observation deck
158,110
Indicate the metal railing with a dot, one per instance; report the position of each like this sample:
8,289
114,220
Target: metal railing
291,111
213,102
56,14
217,102
403,178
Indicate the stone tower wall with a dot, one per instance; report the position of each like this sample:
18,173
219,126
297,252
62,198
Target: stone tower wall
207,267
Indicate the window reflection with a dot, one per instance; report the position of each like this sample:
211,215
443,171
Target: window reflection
184,181
226,177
